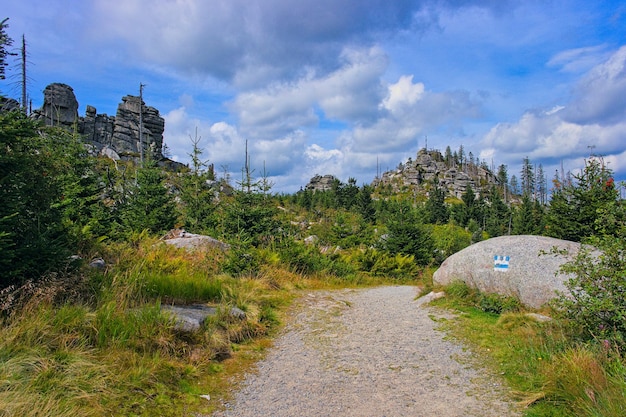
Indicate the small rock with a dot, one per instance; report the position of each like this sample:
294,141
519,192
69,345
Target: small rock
237,313
538,317
430,297
98,263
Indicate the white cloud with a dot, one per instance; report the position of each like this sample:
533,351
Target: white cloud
351,92
600,96
594,122
403,94
579,60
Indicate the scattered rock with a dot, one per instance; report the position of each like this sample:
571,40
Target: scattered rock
538,317
98,263
311,240
191,317
430,297
519,266
182,239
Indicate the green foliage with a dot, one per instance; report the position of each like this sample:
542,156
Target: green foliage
251,217
196,194
437,211
488,302
497,213
308,260
470,209
528,218
5,43
33,179
597,306
365,204
150,205
382,264
575,206
407,235
242,260
449,239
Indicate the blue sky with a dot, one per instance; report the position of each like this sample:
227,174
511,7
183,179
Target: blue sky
345,87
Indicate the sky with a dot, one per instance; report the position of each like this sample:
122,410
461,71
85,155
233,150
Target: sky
350,88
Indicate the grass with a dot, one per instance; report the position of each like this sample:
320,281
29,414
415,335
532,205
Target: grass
101,346
550,374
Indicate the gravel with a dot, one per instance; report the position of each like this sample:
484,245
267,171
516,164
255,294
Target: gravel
372,352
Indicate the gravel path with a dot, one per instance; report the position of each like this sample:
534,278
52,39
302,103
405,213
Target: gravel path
372,352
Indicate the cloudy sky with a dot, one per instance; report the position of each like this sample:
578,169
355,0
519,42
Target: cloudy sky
345,87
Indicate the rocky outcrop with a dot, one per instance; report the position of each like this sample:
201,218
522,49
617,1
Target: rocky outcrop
109,135
519,266
60,107
430,165
321,183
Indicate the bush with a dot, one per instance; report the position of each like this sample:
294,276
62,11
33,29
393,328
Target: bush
597,305
382,264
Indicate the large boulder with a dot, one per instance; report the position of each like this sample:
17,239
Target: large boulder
520,266
182,239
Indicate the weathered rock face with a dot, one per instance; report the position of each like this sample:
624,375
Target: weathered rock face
119,133
511,265
126,127
321,183
428,166
60,107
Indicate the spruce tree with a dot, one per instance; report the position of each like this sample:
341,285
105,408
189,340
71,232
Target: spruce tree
437,211
150,206
575,206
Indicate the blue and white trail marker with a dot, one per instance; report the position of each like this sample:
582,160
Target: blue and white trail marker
501,263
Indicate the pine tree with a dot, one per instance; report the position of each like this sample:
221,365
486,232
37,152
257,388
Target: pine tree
436,210
497,215
196,193
5,43
150,206
528,178
365,204
576,205
407,235
523,218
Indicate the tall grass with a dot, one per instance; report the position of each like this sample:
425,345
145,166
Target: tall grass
550,373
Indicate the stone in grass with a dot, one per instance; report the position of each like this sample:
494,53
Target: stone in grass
518,266
191,317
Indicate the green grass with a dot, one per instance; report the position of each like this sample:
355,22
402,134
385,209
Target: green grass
549,373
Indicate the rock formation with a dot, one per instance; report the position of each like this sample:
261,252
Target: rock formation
321,183
513,266
430,165
110,135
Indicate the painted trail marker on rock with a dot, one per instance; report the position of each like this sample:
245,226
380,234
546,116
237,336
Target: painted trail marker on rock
501,263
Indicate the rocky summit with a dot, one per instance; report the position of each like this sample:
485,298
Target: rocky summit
430,165
113,136
519,266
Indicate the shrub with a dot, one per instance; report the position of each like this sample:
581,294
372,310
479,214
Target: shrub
597,306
